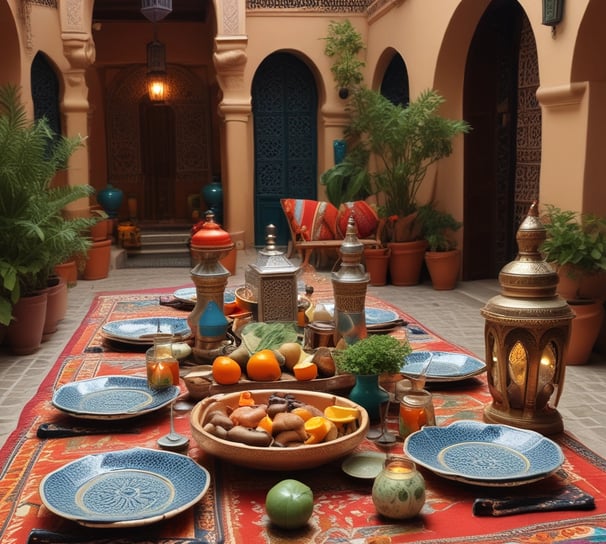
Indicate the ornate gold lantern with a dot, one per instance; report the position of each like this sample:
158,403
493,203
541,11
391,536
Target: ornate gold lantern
272,281
526,334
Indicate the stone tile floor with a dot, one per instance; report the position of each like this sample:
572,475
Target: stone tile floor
454,315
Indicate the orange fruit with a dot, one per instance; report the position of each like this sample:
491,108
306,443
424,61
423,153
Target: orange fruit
303,413
226,370
263,366
305,370
266,424
317,428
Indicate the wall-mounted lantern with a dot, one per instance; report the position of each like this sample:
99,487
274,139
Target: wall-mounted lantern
553,12
526,335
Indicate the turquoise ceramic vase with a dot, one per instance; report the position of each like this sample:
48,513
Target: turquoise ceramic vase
110,198
213,196
369,394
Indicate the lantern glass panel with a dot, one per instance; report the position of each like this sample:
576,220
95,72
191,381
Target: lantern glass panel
518,363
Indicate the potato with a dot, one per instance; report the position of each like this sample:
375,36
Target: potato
325,362
291,352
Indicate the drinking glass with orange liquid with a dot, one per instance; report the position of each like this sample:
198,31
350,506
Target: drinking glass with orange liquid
162,372
416,411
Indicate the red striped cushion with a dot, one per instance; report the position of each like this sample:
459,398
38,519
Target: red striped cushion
365,216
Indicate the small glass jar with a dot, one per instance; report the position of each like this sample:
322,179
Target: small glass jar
416,411
161,365
398,491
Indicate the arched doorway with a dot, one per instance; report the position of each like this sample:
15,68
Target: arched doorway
503,151
284,105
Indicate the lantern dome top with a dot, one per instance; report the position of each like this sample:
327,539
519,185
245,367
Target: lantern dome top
211,236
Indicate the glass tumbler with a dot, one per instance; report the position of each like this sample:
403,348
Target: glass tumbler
416,411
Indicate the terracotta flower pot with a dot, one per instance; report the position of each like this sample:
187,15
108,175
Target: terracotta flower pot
406,262
24,334
68,271
585,329
56,306
97,263
443,268
376,261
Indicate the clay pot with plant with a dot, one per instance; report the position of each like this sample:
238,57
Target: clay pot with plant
443,257
35,234
576,247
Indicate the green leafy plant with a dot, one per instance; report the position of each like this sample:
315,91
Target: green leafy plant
34,234
438,227
376,354
400,143
343,45
574,239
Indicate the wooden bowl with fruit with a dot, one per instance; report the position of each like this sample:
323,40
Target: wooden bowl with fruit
275,429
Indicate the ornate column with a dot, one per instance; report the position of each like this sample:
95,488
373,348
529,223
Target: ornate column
235,108
79,50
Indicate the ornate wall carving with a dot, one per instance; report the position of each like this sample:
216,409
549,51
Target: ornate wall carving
188,100
334,6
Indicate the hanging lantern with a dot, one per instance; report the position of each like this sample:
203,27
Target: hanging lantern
156,10
156,71
526,334
553,12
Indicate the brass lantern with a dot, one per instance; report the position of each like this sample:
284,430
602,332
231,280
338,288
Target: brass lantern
526,334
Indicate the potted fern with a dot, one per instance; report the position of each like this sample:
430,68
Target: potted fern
367,359
34,234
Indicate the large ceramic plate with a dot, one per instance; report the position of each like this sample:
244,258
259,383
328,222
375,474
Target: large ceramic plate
374,316
484,454
111,397
444,366
125,488
189,295
142,330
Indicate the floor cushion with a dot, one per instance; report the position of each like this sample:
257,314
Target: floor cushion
365,215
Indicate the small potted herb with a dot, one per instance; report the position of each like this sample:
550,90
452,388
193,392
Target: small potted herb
367,359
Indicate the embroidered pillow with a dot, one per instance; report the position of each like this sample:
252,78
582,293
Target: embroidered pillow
365,216
310,219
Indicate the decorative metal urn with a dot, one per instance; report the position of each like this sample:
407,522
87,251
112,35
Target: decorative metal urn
349,284
526,334
272,281
208,245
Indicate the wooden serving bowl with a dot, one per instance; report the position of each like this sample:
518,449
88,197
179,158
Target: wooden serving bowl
276,458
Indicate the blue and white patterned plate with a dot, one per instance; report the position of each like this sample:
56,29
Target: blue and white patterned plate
112,397
189,295
142,330
374,316
484,454
127,488
444,366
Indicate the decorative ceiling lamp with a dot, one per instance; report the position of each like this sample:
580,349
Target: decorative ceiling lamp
526,334
154,11
553,13
156,71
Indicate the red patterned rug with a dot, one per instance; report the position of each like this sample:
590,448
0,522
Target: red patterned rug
233,509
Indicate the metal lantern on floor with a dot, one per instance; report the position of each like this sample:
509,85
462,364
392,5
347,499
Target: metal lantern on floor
208,246
272,282
526,333
349,285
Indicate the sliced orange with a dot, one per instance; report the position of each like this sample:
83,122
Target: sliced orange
341,414
317,428
303,413
266,424
305,370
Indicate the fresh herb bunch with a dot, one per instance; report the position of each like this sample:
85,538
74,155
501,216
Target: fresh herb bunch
376,354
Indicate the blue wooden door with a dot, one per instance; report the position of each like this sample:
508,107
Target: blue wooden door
284,105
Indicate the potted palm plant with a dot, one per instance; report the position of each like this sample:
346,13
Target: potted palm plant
389,150
576,246
368,359
443,257
34,234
